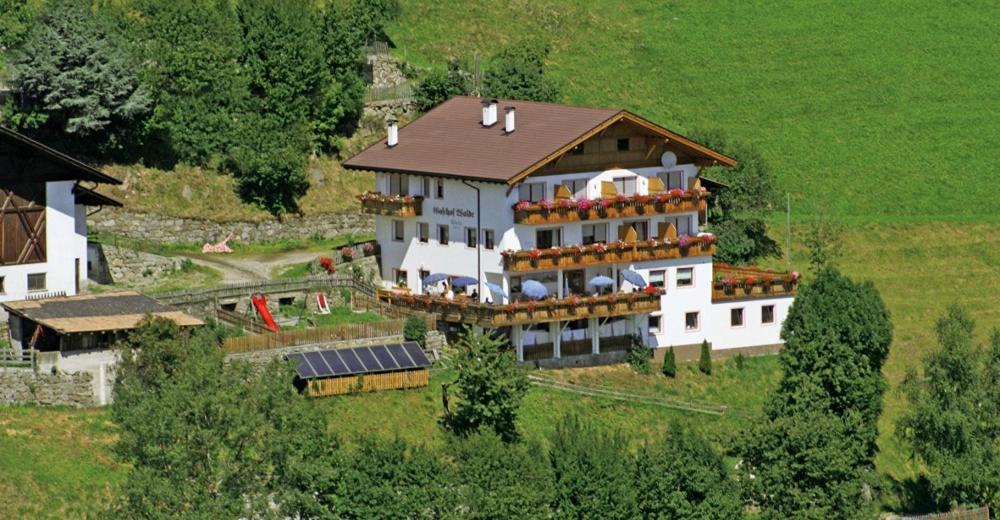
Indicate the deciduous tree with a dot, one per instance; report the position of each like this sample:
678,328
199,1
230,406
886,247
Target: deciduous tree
518,72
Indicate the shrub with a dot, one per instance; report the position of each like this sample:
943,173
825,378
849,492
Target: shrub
669,363
415,329
638,356
705,361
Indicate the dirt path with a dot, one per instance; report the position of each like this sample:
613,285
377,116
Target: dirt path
250,268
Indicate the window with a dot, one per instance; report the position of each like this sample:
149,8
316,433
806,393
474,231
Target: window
400,277
489,242
423,232
2,290
443,235
398,232
736,317
440,188
685,276
767,314
593,233
532,191
657,278
641,229
398,184
423,273
426,192
471,237
578,188
36,282
623,144
681,224
515,284
577,150
691,321
655,323
546,238
625,185
673,180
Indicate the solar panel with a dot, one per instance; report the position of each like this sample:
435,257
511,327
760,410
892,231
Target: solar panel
402,358
383,357
367,359
301,366
416,354
316,360
333,359
350,357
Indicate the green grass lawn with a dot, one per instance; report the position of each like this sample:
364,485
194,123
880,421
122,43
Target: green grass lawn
259,250
866,111
337,316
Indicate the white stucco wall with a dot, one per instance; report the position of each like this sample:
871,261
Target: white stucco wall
66,242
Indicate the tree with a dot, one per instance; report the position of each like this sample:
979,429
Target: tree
953,417
76,84
16,18
502,480
191,55
439,86
592,472
825,244
415,329
683,477
518,72
209,438
490,386
739,211
669,363
705,359
813,452
638,356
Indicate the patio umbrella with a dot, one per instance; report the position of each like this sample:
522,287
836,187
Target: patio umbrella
601,281
534,290
496,291
634,278
434,278
463,281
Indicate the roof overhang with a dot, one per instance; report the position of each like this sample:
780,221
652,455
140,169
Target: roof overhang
88,197
70,168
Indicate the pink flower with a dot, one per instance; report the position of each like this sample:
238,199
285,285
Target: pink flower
795,276
708,239
603,203
620,199
567,203
545,204
522,205
676,193
584,204
683,241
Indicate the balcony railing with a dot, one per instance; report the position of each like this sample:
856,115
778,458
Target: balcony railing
621,206
500,315
576,347
606,254
739,283
376,203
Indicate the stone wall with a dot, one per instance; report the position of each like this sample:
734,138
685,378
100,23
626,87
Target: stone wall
24,386
159,228
379,110
133,268
385,71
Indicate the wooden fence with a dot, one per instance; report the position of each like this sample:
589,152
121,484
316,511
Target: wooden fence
368,383
294,338
306,283
240,320
25,358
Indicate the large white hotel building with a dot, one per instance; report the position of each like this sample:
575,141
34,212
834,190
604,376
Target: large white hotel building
510,191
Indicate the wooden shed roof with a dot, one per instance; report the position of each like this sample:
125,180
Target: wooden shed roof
96,312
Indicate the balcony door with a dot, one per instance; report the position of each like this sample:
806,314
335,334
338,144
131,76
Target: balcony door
576,281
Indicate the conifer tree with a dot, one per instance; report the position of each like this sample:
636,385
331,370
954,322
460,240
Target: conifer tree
669,363
705,359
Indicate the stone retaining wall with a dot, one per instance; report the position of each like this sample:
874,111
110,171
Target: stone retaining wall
24,386
159,228
132,268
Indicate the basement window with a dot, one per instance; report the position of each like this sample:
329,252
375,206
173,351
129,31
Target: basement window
36,282
691,321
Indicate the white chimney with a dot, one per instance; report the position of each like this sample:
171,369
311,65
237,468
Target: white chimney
489,112
393,138
508,120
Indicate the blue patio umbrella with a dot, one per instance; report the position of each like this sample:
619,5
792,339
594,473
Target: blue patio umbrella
496,291
634,278
601,281
534,290
463,281
434,278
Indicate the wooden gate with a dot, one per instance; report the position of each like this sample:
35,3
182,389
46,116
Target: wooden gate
22,223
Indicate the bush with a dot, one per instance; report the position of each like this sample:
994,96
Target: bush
669,363
415,329
518,72
438,86
638,356
705,361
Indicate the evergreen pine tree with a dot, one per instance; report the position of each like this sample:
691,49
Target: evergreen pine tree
705,361
669,363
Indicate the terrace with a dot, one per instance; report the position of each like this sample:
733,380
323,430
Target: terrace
743,283
376,203
567,209
608,253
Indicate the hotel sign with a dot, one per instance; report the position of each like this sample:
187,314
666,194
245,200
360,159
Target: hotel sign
454,212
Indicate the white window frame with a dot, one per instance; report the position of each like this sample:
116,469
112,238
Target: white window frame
527,191
426,185
45,282
402,187
396,276
677,278
447,232
697,318
492,243
439,187
673,179
639,225
596,226
622,182
558,236
676,221
398,225
423,233
577,187
743,317
470,232
663,273
659,328
774,315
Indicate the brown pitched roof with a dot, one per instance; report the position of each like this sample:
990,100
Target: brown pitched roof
89,197
450,140
69,168
96,312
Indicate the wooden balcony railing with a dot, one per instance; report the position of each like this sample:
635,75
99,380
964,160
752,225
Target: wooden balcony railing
499,315
376,203
569,210
606,254
739,283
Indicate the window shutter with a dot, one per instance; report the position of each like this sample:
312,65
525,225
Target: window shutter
608,190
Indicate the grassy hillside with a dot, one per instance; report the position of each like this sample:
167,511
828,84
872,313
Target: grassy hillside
883,111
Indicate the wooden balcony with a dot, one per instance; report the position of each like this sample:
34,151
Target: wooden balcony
523,313
748,283
376,203
577,347
574,257
568,210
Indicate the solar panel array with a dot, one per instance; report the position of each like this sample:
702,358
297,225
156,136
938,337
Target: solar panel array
359,360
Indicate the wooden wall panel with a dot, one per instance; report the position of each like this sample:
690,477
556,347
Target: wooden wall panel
22,223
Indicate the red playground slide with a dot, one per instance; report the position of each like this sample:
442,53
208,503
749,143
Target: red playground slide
260,303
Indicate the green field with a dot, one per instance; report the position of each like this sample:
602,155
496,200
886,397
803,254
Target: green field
867,111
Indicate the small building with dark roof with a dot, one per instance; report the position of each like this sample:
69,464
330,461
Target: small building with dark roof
361,369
